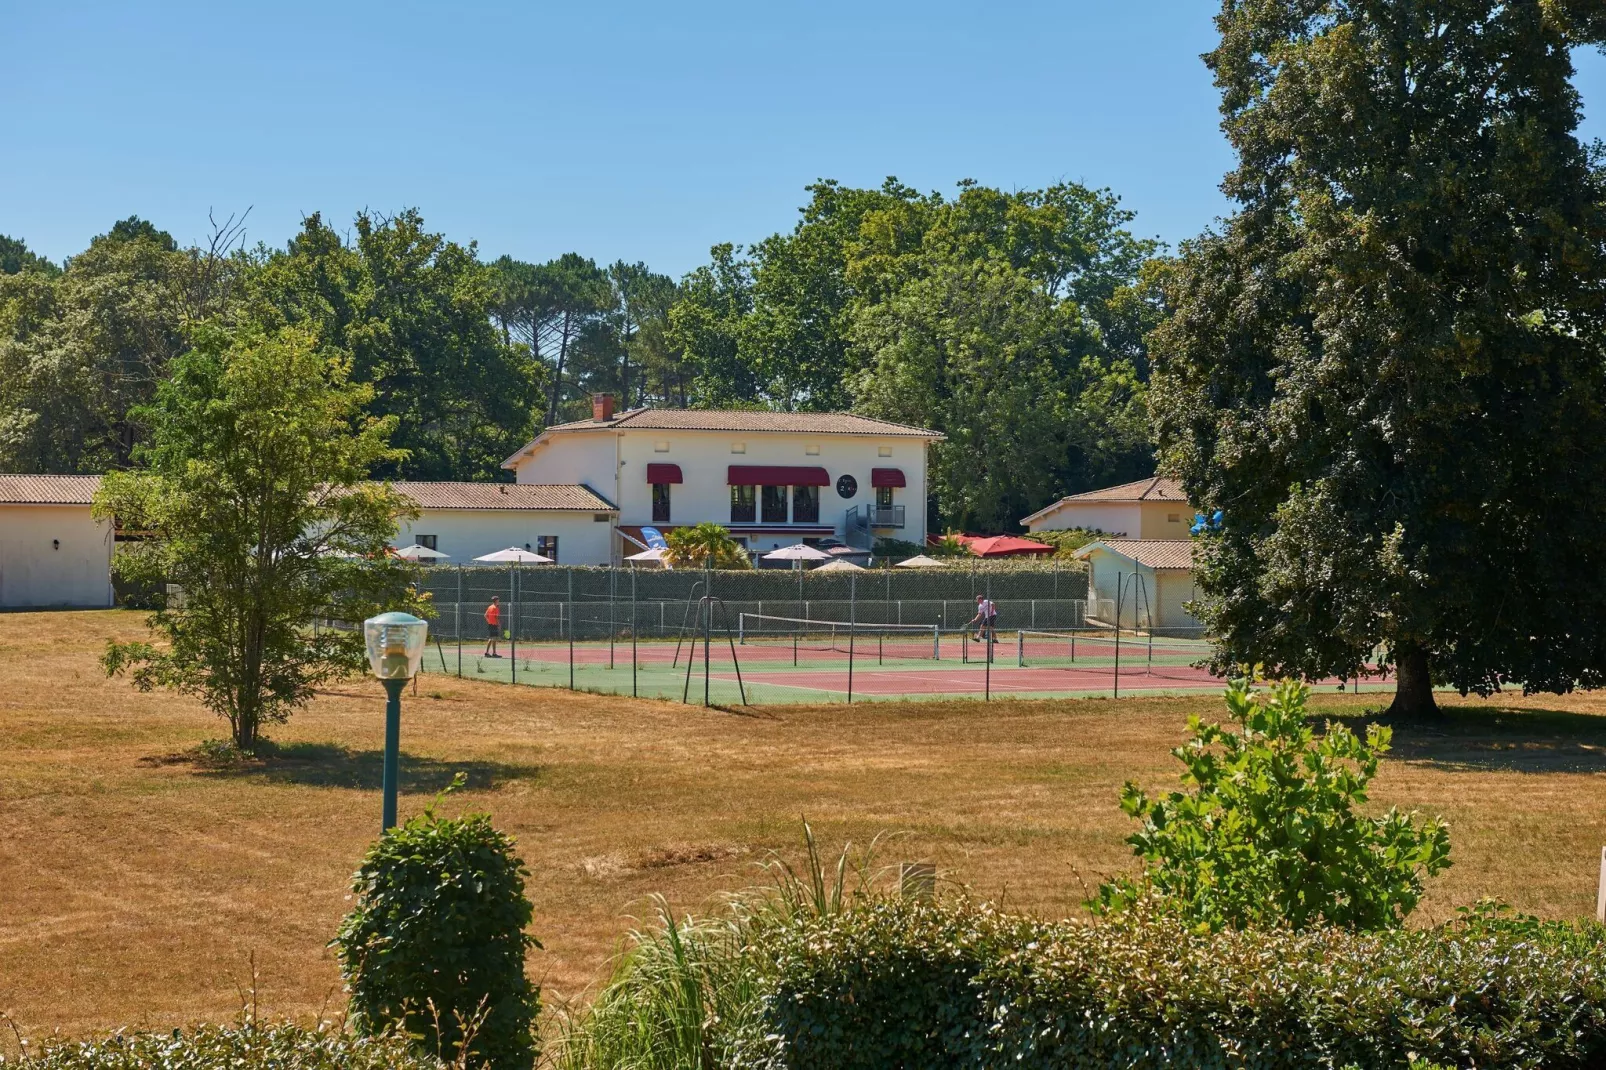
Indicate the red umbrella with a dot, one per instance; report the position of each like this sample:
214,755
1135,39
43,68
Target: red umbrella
1005,546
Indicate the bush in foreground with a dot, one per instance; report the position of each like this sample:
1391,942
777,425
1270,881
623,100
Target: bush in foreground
1270,831
245,1047
956,985
436,942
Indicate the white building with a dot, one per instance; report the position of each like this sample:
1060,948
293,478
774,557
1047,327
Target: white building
1153,508
52,552
571,524
772,478
1150,578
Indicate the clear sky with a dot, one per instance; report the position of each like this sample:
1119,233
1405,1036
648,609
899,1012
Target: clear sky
643,131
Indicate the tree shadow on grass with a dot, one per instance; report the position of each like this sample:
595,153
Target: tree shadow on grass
1502,739
329,765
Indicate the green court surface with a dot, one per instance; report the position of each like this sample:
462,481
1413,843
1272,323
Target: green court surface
774,671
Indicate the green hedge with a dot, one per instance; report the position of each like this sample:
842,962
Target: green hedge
898,985
209,1047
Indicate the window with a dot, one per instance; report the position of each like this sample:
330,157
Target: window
744,508
660,503
426,541
601,518
1173,518
883,497
738,447
883,451
547,546
660,447
805,505
774,499
811,451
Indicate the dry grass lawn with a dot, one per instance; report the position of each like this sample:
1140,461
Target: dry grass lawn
136,889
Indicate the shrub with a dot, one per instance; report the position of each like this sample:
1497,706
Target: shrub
706,545
1270,835
436,941
210,1047
957,985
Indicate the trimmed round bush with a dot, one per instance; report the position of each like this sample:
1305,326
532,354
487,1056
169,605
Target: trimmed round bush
436,942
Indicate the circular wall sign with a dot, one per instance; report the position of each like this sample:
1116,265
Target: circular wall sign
847,487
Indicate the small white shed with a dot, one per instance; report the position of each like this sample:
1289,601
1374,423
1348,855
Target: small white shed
52,552
1151,578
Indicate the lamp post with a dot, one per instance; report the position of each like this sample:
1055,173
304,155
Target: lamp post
395,644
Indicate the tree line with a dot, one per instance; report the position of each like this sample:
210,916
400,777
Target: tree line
1012,322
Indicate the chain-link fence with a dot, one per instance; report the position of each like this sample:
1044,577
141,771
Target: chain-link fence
747,636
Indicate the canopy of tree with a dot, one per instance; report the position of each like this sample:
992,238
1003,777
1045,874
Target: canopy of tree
1387,369
1011,322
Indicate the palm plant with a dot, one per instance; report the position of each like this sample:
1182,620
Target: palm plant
705,545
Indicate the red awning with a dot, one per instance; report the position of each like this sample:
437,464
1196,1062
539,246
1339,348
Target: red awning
776,475
663,473
887,477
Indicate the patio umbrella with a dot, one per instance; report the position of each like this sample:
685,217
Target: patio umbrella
799,552
1006,546
654,555
417,552
920,561
841,564
514,556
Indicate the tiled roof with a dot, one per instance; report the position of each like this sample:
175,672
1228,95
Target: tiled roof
563,496
810,423
48,490
1152,553
825,423
1153,489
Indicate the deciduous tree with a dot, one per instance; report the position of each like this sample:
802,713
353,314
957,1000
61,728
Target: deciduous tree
255,506
1387,370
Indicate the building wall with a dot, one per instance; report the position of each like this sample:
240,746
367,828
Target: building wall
1133,520
1166,520
464,534
34,573
1176,587
1116,518
705,456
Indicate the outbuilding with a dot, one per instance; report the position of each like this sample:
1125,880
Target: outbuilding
52,552
1141,583
569,523
1153,508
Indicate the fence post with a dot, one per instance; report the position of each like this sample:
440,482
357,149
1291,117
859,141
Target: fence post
513,621
1600,894
459,622
853,594
571,629
633,626
991,641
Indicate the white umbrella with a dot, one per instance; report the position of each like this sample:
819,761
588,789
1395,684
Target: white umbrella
920,561
841,564
514,556
417,552
800,552
654,554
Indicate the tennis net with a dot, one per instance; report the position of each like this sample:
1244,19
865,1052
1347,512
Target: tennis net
840,636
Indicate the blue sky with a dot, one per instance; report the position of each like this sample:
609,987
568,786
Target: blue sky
644,131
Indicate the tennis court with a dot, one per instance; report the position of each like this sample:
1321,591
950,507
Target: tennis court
762,660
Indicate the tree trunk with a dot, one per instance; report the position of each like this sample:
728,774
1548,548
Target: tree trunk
1413,688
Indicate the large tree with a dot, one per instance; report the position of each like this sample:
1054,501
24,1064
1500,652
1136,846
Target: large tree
1387,368
255,505
413,311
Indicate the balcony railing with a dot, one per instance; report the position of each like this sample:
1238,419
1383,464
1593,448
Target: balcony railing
864,519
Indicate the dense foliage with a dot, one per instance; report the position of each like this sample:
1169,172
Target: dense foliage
897,984
1269,833
252,503
246,1047
436,942
1011,321
1387,369
705,545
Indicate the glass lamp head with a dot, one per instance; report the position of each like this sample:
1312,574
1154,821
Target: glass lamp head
395,644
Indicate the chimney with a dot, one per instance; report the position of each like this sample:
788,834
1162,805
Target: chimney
601,407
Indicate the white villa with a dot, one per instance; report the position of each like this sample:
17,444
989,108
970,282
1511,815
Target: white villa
772,478
584,492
